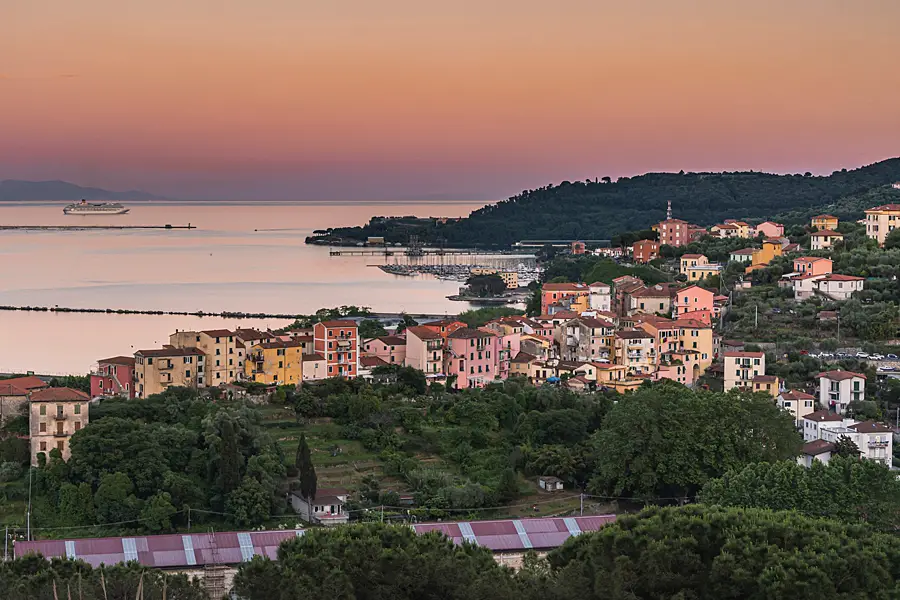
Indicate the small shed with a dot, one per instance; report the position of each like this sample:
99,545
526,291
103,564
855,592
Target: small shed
548,483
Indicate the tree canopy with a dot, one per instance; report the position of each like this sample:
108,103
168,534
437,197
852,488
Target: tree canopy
847,489
711,553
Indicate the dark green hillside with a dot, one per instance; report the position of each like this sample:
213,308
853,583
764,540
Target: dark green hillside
596,210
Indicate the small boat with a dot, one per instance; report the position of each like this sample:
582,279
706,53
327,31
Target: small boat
88,208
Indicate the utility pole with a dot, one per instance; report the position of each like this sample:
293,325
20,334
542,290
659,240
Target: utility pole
28,512
382,513
581,498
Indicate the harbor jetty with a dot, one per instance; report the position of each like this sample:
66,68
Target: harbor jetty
89,227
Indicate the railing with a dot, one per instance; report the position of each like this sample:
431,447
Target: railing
59,417
878,444
165,366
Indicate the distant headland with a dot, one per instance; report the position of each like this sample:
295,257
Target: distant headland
13,190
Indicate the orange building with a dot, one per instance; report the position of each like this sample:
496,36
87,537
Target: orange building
444,327
643,251
825,222
338,342
812,265
578,248
552,293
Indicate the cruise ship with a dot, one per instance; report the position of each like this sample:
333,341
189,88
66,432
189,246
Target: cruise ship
87,208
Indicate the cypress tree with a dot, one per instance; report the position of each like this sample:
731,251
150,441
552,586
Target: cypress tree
229,459
307,474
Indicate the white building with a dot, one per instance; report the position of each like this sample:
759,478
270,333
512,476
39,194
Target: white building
874,440
824,239
837,389
799,404
816,450
839,287
327,508
814,422
600,296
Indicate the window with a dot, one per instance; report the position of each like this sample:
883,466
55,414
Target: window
77,425
60,445
218,351
187,372
77,409
43,446
43,428
218,376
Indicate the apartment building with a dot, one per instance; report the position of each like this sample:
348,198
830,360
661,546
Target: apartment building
812,265
389,348
555,293
694,302
472,355
837,389
766,384
654,299
314,367
882,220
674,232
279,362
742,367
425,349
770,229
744,255
157,370
113,377
799,404
701,272
444,327
338,342
821,222
643,251
874,440
584,339
824,239
600,296
635,350
14,395
692,260
55,414
839,287
224,353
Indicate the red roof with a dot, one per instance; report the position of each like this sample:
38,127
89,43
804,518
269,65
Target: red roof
565,287
810,259
839,375
817,447
423,333
61,394
127,361
827,233
824,217
19,386
218,332
312,357
871,427
338,323
371,361
170,351
884,207
839,277
693,256
796,395
765,378
465,333
744,354
744,251
823,415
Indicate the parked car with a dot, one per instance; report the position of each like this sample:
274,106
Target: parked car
876,357
862,355
891,357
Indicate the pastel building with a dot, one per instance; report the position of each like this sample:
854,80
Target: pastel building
798,404
812,265
692,260
157,370
55,414
824,222
674,232
824,239
472,355
742,367
338,342
837,389
555,293
643,251
694,302
770,229
389,348
113,377
882,220
425,350
275,363
225,363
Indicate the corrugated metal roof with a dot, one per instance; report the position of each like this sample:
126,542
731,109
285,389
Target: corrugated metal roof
184,550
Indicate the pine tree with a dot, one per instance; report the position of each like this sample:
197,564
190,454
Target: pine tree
844,446
229,459
307,475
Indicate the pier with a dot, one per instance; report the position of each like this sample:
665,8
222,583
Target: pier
89,227
427,252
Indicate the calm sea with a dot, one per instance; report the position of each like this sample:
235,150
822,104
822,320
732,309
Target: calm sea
242,257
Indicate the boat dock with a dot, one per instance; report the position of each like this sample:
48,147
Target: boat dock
89,227
426,252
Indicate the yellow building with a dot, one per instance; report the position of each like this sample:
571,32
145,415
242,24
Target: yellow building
763,256
767,384
275,363
157,370
510,278
882,220
825,222
696,336
224,353
695,274
692,260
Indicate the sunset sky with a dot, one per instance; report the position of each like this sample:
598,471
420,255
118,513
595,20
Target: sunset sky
412,99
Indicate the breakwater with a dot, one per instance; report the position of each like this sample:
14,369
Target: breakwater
89,227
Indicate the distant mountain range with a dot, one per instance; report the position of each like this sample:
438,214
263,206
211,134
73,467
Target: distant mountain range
12,190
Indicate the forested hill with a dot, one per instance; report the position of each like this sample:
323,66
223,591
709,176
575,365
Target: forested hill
598,210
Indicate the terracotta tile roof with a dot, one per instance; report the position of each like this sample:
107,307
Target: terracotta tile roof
126,361
871,427
810,259
839,375
595,323
339,323
744,252
827,233
27,383
839,277
795,395
657,291
727,226
61,394
565,287
465,333
524,358
816,447
764,379
890,207
392,340
823,415
170,351
423,333
281,344
693,256
744,354
633,334
371,361
251,335
313,358
824,217
218,332
8,389
442,323
691,323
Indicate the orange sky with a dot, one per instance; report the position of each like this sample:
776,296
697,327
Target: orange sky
361,99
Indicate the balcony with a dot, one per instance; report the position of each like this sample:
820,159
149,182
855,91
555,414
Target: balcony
165,366
60,434
59,417
344,344
873,444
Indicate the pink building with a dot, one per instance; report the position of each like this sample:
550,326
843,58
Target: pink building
770,229
674,232
812,265
114,377
697,300
425,350
473,355
389,348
